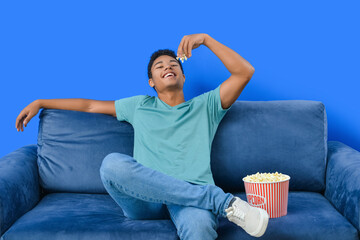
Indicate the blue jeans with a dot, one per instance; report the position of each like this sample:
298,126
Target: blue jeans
144,193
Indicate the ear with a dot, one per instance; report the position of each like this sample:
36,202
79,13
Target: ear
151,83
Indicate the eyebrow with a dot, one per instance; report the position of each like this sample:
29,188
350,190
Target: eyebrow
162,61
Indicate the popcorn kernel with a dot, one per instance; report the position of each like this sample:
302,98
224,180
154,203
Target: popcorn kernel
182,58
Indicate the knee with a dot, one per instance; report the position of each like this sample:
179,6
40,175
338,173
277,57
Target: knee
200,227
114,163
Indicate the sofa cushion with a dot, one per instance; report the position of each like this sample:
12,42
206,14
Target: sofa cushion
96,216
288,136
72,145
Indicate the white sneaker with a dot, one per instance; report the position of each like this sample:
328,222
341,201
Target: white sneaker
253,220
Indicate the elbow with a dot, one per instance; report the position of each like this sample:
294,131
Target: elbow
88,106
248,73
252,70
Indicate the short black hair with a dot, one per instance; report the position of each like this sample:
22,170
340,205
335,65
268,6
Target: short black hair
159,53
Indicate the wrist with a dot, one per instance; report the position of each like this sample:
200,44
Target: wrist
206,38
38,103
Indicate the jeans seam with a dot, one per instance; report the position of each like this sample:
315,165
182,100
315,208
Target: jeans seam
134,194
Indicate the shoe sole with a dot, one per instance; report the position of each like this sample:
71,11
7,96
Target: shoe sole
263,224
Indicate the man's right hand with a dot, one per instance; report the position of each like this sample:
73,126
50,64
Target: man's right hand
26,114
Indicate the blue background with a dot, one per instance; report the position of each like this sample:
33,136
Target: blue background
305,50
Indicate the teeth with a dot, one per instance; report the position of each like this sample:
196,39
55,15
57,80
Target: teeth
169,75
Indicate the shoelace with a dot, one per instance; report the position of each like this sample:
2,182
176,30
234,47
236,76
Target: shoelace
239,214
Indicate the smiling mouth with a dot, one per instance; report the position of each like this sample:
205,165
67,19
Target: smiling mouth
169,76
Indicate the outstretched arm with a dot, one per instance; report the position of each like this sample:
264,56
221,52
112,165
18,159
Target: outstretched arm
75,104
240,69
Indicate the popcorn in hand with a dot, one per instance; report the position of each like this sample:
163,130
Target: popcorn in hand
182,58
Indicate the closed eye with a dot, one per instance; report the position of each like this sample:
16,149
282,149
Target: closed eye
171,65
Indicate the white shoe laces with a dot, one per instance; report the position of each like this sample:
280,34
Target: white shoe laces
239,214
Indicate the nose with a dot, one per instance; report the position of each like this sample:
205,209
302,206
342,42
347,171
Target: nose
168,66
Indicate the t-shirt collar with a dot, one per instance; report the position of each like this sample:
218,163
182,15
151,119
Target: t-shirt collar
172,107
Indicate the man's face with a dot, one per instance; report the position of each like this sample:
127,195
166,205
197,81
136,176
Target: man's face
161,66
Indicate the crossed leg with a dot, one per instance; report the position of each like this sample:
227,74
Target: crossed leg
134,179
144,193
190,222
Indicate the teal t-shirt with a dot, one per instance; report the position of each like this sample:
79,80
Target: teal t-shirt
174,140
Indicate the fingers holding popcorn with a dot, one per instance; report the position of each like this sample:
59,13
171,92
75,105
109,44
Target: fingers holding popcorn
182,58
180,51
188,43
184,47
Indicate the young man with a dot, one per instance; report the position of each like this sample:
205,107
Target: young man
169,174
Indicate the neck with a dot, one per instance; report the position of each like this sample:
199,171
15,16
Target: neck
172,98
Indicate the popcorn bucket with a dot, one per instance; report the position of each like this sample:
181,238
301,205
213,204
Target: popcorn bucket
270,196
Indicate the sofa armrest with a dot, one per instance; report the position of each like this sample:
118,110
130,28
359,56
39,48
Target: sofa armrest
19,185
343,180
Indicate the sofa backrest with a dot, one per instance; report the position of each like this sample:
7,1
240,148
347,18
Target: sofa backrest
287,136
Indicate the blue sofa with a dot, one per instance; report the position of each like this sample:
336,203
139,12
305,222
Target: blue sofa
53,190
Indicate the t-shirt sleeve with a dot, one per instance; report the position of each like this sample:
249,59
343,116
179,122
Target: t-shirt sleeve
125,107
214,105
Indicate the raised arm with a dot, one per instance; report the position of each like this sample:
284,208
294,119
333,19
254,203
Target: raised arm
240,69
75,104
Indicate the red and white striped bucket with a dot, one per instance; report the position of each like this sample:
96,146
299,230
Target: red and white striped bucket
270,196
